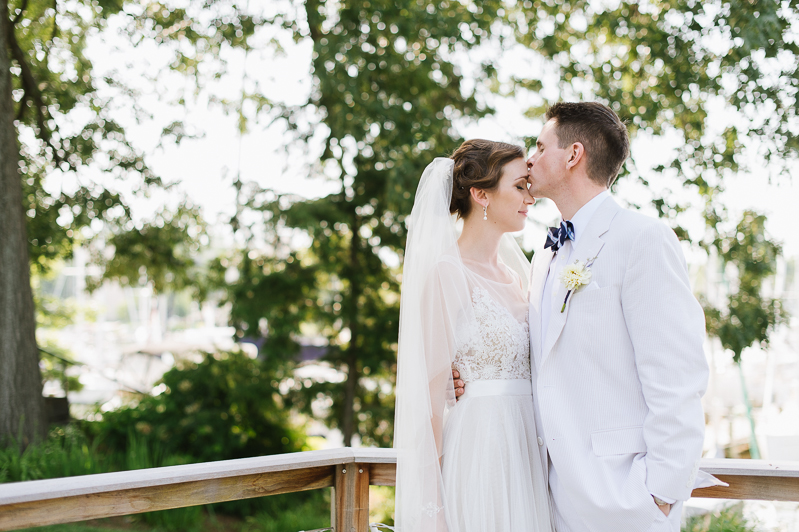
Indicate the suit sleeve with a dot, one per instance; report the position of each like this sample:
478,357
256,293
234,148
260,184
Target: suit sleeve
667,329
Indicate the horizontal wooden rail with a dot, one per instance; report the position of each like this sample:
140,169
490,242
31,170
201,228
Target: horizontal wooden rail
348,471
763,480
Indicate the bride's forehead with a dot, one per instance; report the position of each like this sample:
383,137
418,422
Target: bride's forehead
513,171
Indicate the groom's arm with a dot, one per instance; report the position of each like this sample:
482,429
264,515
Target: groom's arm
667,329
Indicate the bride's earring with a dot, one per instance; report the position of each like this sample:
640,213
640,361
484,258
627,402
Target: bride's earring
485,212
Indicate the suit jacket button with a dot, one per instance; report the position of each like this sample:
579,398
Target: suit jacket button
540,441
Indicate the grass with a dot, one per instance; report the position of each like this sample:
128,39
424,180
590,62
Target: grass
311,514
727,520
69,528
66,453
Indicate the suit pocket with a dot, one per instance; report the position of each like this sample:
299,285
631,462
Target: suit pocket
618,441
590,287
595,299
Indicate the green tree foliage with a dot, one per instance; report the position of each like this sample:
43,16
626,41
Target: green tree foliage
381,74
53,313
385,95
748,317
161,252
225,407
65,115
661,65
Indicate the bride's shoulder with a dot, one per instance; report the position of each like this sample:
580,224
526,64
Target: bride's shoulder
447,265
448,270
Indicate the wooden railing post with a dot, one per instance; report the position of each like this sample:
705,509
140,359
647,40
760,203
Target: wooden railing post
351,498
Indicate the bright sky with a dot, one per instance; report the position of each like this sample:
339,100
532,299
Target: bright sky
205,167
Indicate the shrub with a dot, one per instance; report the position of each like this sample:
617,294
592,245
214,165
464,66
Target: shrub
224,407
227,406
727,520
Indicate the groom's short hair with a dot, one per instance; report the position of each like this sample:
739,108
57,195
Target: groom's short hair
601,133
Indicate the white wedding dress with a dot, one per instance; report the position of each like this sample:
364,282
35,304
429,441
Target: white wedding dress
471,465
492,471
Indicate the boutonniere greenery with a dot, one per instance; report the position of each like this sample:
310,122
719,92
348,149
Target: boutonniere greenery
575,276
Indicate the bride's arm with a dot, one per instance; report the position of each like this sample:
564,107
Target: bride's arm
439,349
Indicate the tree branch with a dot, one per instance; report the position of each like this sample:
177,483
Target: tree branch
55,22
22,102
22,9
32,91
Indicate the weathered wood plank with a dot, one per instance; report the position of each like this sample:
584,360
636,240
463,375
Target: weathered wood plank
56,488
758,468
72,499
373,455
351,498
749,487
162,497
383,475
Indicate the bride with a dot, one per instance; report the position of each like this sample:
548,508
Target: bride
471,465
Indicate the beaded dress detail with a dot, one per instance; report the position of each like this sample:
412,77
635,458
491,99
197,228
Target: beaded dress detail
497,346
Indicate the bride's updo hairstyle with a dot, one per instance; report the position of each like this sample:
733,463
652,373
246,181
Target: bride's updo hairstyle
478,164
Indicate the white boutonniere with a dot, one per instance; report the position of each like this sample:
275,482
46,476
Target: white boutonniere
575,276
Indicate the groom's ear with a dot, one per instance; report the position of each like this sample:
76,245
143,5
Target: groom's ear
576,155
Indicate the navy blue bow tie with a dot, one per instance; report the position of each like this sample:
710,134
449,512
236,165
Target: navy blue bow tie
557,236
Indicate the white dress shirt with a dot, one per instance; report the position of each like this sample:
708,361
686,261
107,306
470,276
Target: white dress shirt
561,260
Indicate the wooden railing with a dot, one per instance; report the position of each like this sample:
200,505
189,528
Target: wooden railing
349,472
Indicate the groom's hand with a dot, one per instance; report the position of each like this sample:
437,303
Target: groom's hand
458,383
666,508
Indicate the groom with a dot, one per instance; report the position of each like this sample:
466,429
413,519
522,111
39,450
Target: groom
619,370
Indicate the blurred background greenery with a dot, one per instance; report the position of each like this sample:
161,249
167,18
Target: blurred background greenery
117,259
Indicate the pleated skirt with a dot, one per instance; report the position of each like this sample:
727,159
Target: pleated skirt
492,471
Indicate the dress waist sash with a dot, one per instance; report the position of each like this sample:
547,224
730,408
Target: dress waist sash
487,388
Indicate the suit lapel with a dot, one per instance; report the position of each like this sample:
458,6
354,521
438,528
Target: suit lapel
541,261
590,245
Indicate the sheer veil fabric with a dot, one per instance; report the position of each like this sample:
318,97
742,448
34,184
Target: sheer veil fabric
437,317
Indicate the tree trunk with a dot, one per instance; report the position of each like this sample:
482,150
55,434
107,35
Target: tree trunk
754,448
348,424
348,421
22,411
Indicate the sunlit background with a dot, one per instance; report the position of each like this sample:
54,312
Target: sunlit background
235,277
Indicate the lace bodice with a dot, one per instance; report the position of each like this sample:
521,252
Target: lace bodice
496,346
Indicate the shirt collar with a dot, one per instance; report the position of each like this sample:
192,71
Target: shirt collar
583,216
